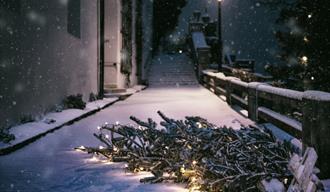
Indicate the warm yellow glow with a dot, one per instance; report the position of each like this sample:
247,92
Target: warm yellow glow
182,169
304,59
81,148
141,168
115,149
285,181
93,159
194,188
194,162
306,39
199,125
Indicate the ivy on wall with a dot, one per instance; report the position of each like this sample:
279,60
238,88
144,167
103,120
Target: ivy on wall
139,37
126,31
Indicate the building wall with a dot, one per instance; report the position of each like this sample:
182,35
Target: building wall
116,42
40,61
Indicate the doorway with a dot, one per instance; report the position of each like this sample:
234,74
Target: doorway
109,44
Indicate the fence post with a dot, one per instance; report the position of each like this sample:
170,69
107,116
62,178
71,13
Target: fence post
316,127
253,101
228,90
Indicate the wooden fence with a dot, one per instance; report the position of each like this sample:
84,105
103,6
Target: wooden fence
304,115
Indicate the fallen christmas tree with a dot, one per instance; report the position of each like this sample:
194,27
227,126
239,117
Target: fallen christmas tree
194,151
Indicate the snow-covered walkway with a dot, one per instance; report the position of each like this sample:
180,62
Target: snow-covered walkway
51,164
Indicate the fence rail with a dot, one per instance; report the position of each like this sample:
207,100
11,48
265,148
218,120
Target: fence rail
304,115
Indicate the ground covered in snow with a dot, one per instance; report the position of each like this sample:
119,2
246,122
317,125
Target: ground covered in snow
51,164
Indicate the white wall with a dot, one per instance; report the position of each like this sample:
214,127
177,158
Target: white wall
41,62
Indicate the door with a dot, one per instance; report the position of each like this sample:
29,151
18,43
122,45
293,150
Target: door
111,43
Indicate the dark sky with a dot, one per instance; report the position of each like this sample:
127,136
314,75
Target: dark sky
248,28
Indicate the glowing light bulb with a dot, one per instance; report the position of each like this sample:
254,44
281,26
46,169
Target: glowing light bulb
106,123
141,168
180,51
101,147
310,16
81,148
304,59
194,162
306,40
98,127
115,149
312,78
117,122
182,169
107,136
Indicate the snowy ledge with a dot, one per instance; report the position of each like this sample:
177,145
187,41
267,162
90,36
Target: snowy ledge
29,132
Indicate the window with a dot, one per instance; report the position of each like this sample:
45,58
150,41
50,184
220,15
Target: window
74,18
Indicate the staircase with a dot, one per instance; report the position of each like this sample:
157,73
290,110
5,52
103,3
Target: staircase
112,88
172,70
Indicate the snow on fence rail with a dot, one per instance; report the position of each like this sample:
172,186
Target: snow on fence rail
266,103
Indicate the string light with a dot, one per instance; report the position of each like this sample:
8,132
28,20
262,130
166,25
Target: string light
115,149
81,148
98,127
182,169
117,122
101,147
306,39
310,16
199,125
304,59
107,136
194,162
93,159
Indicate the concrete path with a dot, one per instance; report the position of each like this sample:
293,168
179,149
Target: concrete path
51,164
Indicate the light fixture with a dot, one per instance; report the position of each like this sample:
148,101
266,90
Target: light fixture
304,59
